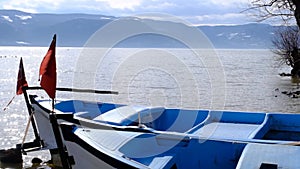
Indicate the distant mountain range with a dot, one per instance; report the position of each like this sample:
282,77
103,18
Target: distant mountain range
27,29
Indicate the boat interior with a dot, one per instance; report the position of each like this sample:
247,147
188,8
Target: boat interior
214,139
207,123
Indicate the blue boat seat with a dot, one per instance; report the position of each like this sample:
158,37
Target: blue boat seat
229,125
226,130
179,120
162,162
282,156
157,118
127,115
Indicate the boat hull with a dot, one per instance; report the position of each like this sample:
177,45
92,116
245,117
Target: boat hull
166,138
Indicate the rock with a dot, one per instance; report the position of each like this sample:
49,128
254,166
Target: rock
11,156
36,160
285,74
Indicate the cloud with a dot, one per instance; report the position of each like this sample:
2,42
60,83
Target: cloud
159,6
31,5
122,4
224,19
198,10
229,3
220,17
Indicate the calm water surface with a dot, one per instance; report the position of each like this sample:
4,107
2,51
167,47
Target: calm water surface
157,77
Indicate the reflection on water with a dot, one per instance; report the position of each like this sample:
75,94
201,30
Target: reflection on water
251,76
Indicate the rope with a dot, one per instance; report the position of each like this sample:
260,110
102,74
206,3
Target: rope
27,128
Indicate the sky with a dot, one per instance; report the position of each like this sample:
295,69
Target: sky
198,12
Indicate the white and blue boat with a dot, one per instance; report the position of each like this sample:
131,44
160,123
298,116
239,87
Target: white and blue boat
108,135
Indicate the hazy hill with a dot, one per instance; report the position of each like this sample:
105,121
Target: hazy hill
26,29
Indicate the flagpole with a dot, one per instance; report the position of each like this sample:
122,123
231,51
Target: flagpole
64,157
48,83
52,105
6,107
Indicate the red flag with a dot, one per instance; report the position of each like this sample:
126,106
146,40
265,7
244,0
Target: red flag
21,78
48,70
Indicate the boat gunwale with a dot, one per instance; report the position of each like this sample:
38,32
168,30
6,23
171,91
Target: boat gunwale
183,136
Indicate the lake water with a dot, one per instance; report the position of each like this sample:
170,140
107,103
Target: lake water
239,80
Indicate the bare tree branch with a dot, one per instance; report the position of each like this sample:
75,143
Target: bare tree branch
287,41
266,9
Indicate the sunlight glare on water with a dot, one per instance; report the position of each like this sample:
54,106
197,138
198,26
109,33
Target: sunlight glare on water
252,84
